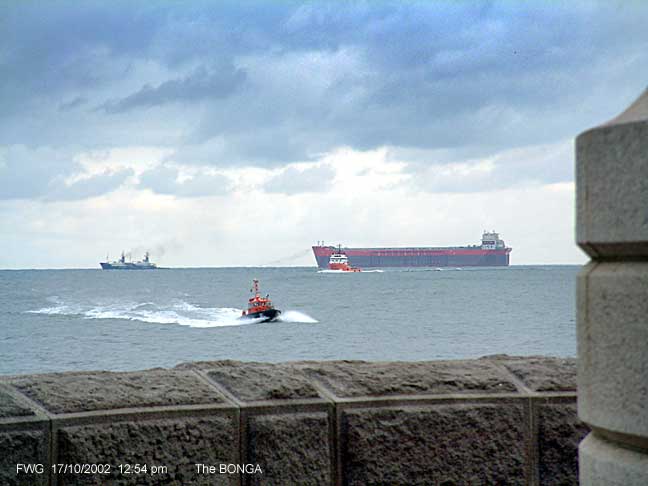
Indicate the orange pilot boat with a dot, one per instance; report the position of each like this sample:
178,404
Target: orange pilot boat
340,262
260,307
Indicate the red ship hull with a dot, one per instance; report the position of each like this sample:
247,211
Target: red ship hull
463,256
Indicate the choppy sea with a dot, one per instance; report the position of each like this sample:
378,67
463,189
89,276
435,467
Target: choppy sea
59,320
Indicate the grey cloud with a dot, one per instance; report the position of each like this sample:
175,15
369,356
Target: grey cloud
48,50
90,187
511,168
266,146
199,85
164,180
293,181
283,82
76,102
27,173
497,80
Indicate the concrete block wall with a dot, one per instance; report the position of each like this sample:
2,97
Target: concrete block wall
612,316
495,420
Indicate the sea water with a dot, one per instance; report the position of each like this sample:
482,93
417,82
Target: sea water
58,320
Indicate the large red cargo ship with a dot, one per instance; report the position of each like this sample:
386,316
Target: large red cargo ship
492,252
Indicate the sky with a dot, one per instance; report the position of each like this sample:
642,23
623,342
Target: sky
241,133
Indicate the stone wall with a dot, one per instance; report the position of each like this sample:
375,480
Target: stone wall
495,420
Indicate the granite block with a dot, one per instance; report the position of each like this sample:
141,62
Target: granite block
612,329
476,444
261,381
83,392
359,378
602,463
178,444
23,447
9,407
612,185
290,448
544,374
559,433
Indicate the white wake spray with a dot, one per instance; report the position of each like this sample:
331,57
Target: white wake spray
296,316
181,313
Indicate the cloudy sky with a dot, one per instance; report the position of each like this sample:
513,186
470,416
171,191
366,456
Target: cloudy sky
220,134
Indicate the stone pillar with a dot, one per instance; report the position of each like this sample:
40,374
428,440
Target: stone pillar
612,315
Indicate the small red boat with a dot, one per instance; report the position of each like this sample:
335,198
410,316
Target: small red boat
260,307
340,262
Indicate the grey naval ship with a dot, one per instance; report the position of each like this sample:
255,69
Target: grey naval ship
122,264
